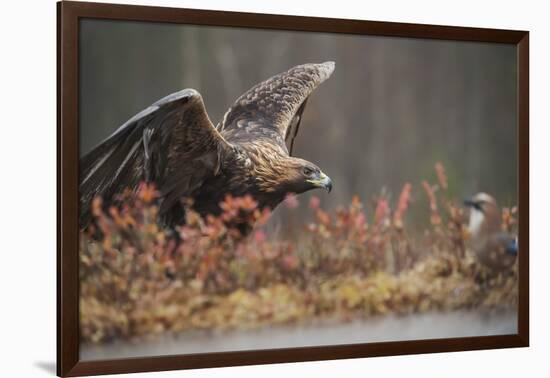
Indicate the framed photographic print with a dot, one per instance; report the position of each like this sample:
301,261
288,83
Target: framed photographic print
240,188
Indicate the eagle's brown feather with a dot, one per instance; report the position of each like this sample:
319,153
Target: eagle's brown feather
271,105
174,145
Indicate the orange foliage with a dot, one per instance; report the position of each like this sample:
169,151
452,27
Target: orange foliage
137,278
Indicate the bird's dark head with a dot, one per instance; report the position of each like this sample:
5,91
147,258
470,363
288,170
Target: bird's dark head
484,213
481,202
302,175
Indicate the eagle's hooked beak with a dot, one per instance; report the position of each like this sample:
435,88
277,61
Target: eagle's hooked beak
323,181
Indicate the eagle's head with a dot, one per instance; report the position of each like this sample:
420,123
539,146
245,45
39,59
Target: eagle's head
303,175
288,174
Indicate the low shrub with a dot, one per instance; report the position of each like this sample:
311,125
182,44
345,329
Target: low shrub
138,279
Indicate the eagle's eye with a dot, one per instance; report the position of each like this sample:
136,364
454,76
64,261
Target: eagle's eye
308,171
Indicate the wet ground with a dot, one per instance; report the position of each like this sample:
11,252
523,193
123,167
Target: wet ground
392,328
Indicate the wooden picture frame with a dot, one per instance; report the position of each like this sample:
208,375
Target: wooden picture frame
70,13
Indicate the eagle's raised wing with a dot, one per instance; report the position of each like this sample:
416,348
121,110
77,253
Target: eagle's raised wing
273,108
151,146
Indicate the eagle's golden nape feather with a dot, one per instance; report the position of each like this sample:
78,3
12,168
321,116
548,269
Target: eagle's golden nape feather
174,144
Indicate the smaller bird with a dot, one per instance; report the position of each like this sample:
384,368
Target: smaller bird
493,247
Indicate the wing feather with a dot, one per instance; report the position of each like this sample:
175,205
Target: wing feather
171,143
275,104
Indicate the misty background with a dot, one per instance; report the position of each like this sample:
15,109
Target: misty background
392,108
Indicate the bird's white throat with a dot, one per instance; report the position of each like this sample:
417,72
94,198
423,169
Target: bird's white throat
476,219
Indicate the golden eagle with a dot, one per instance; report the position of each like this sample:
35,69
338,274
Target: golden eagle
174,145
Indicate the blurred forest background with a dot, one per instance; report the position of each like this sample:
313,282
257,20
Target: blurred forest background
392,108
